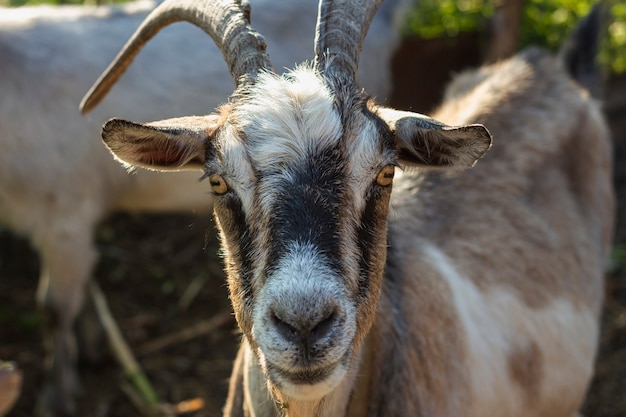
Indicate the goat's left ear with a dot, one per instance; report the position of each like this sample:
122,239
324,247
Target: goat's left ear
168,145
422,141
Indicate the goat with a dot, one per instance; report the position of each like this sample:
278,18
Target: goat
57,182
463,293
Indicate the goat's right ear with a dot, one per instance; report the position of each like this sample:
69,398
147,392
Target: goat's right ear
168,145
422,141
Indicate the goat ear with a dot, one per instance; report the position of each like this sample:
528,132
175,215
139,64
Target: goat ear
422,141
168,145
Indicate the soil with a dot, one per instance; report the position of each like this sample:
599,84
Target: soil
150,264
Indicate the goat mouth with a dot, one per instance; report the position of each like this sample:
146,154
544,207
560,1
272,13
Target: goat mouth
308,368
307,384
305,376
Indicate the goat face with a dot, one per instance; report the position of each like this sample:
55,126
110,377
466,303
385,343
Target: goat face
302,179
308,233
301,167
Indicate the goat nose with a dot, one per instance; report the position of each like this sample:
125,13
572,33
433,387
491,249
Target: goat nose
306,328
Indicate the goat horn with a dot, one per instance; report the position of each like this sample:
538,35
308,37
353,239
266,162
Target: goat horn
226,21
341,28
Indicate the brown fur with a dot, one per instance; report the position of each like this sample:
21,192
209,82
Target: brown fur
534,217
544,182
525,367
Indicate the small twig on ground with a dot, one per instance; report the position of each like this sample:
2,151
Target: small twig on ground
10,386
198,329
135,399
183,407
122,352
163,409
191,292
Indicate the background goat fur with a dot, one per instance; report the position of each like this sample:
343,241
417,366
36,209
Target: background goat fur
493,277
57,181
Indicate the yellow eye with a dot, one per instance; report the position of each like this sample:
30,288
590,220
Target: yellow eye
218,184
385,176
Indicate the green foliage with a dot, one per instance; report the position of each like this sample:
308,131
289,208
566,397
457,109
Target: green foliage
23,322
544,22
617,262
548,23
438,18
16,3
613,54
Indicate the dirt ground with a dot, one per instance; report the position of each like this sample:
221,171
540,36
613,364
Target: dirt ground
161,274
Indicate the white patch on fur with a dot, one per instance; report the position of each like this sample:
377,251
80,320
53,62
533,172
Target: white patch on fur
366,160
293,115
238,172
498,324
302,280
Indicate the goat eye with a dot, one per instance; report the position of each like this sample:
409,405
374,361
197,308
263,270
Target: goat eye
385,176
218,184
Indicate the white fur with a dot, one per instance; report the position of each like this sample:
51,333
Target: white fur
367,161
238,172
301,277
296,118
497,324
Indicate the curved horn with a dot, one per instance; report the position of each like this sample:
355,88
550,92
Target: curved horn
341,28
226,21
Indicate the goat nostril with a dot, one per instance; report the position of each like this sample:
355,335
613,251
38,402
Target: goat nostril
324,325
285,329
304,330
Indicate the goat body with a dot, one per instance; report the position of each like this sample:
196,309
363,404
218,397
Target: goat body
493,283
468,293
57,181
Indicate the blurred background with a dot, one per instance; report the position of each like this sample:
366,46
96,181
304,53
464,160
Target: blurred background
162,274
